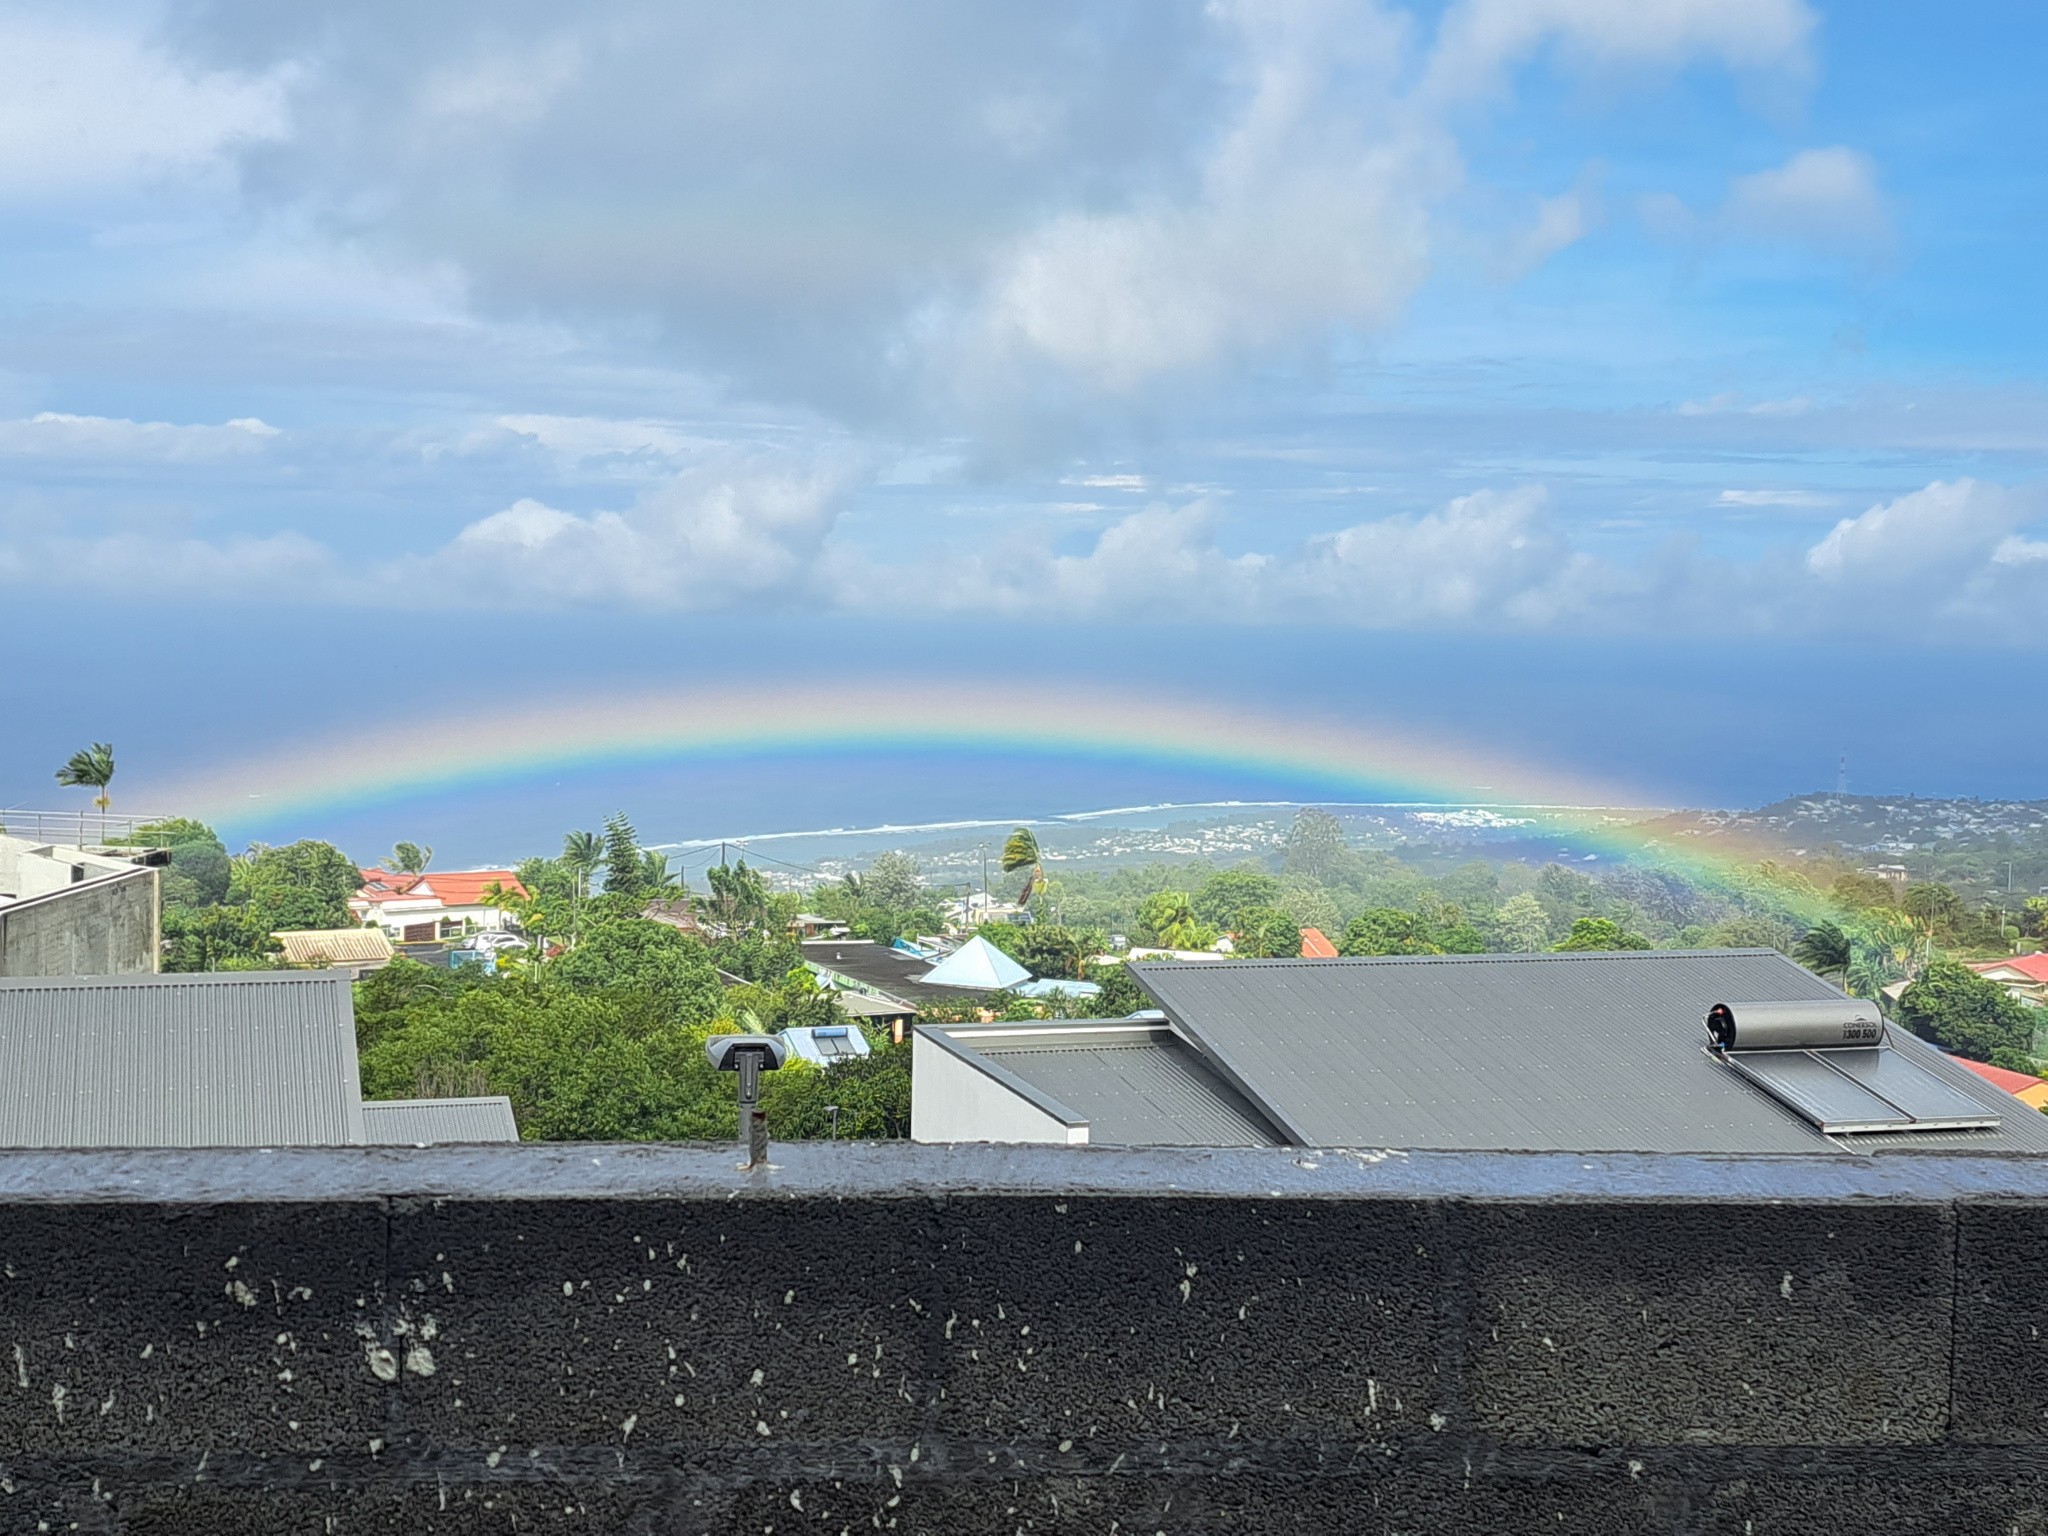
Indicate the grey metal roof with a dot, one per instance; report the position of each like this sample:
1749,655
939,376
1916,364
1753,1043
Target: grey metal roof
1571,1052
438,1122
1134,1087
256,1058
879,967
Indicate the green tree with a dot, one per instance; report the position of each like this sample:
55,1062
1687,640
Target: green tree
1020,851
1225,895
650,958
1388,931
1266,933
1862,893
656,878
1566,894
893,882
739,896
1046,949
408,858
1934,904
199,875
305,884
582,853
1167,919
172,832
1315,844
871,1093
1522,924
623,868
215,939
1601,933
1826,950
90,768
1956,1008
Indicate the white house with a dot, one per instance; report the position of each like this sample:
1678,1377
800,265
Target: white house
417,909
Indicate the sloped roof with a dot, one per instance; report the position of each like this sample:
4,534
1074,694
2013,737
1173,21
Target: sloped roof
1132,1082
1554,1052
2034,967
252,1058
977,965
438,1122
1316,945
334,946
450,887
2023,1086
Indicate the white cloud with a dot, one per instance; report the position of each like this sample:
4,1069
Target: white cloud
1481,39
1826,200
591,437
257,569
1309,213
731,530
55,434
88,105
966,216
1943,529
1765,498
1733,404
1820,197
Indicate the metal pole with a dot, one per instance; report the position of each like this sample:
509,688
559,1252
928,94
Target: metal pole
753,1119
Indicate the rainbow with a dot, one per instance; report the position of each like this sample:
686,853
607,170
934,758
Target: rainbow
1325,758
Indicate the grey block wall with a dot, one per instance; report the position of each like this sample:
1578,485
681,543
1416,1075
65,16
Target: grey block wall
107,927
947,1340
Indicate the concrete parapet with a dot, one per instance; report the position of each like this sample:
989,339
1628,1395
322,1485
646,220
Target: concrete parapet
967,1339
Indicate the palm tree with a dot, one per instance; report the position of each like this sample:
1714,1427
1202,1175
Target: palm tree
657,880
90,768
408,859
1826,950
582,852
1021,852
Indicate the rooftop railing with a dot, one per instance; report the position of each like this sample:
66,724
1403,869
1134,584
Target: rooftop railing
87,828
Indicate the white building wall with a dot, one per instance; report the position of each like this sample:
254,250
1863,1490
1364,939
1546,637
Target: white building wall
951,1101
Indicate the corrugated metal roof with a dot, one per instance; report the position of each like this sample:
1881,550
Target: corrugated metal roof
1572,1052
1134,1088
432,1122
261,1058
334,946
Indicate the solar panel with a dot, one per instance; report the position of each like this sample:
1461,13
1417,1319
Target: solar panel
1831,1063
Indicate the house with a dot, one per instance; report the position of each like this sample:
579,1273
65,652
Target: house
238,1059
808,925
2024,976
69,911
676,911
417,909
355,950
882,971
1315,945
2028,1089
1549,1052
826,1045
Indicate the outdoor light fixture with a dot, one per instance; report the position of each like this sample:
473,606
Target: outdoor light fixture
750,1056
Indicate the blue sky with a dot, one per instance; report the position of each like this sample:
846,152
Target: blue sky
1571,374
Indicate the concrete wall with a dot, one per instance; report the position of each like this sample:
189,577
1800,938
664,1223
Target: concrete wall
956,1100
104,927
965,1340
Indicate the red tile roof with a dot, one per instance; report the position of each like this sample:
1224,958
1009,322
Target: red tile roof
2034,967
451,887
1316,946
2014,1083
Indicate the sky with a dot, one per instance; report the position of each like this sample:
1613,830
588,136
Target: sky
1644,390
